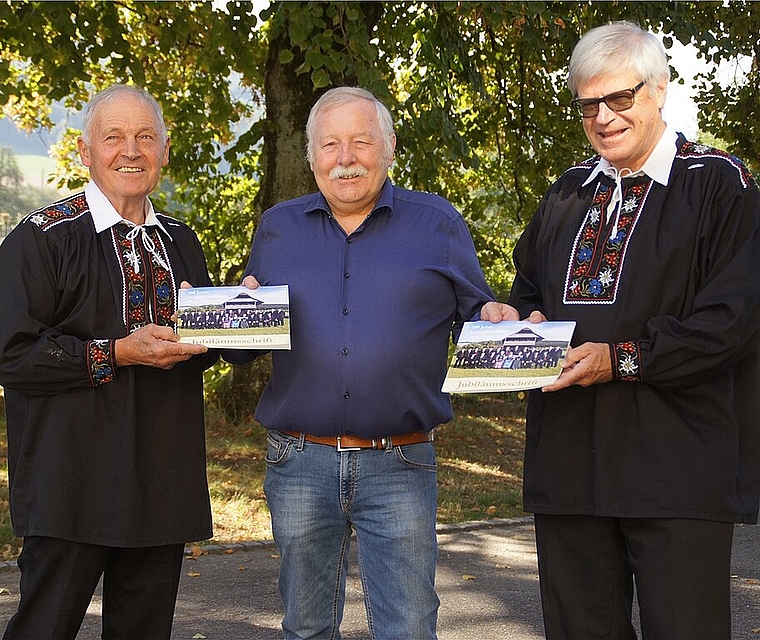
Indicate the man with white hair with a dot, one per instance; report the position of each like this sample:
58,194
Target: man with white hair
106,448
646,451
378,276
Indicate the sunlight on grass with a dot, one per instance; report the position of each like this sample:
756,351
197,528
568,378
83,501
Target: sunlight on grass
238,518
475,468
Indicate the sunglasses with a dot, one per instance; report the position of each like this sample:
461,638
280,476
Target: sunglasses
618,101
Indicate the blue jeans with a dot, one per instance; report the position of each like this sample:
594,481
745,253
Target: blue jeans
317,495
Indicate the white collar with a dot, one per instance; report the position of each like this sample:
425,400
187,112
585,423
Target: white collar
657,165
105,216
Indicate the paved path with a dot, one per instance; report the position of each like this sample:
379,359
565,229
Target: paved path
487,581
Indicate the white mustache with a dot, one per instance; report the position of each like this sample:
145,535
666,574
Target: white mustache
356,171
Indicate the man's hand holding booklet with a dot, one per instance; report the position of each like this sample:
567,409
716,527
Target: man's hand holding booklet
507,356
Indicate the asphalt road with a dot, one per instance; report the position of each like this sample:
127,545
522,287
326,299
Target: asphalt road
487,581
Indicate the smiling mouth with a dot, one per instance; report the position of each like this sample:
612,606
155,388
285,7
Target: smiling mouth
130,170
609,134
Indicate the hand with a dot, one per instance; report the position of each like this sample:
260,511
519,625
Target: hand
585,365
250,282
536,316
498,311
154,346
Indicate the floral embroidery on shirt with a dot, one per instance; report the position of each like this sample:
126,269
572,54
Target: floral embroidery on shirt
61,211
148,283
596,261
627,363
99,361
696,150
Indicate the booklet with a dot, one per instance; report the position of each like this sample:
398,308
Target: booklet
235,317
507,356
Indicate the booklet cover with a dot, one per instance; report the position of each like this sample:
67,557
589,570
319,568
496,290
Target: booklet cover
235,317
507,356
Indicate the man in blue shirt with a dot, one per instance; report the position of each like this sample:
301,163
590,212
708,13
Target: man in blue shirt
378,276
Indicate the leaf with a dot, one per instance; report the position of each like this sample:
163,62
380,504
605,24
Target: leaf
193,574
467,576
320,78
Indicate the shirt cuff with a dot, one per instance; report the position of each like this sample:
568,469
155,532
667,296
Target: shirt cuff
626,361
100,361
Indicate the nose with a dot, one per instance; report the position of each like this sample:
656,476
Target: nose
131,149
605,114
346,155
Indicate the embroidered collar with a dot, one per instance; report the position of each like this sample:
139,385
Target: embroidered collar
105,216
658,164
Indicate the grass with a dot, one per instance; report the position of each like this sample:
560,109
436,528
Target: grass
479,470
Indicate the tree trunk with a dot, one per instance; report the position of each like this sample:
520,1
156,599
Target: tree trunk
289,98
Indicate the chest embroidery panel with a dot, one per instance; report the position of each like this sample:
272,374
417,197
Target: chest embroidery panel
148,292
598,254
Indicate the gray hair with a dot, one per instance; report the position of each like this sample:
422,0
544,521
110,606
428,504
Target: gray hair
616,48
110,96
337,97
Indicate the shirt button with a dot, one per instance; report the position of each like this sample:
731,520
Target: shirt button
345,312
344,351
345,275
349,240
346,395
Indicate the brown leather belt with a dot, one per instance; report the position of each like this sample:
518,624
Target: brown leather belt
354,443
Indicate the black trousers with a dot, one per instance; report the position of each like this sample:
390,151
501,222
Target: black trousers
59,577
681,569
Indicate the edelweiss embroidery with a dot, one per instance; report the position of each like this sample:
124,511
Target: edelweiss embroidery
596,262
695,150
68,209
627,362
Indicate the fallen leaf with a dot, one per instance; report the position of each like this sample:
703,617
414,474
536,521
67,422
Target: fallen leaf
468,577
198,636
229,552
242,568
195,551
193,574
5,592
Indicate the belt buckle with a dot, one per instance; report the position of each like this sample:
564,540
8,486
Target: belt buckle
340,446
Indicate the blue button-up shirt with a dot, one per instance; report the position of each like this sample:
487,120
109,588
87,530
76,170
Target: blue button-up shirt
371,312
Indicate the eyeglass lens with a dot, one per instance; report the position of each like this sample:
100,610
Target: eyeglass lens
618,101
